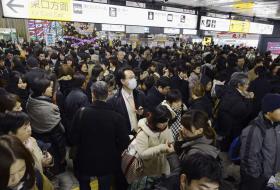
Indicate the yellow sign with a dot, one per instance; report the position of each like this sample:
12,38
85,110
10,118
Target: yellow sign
239,26
207,41
51,9
244,5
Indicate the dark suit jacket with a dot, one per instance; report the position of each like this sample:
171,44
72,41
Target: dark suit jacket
118,104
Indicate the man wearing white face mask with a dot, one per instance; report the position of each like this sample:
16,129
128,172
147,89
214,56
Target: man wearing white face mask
128,101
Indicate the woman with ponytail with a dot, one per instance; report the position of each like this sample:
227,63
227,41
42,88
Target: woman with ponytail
154,142
196,135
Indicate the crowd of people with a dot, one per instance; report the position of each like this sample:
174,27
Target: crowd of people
172,110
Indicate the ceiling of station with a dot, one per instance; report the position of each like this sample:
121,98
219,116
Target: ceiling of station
258,8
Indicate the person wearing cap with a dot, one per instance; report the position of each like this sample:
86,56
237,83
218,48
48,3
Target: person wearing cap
260,147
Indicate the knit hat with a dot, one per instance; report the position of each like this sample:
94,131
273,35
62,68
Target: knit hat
270,102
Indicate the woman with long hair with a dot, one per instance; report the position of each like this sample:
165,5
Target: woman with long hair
17,167
196,135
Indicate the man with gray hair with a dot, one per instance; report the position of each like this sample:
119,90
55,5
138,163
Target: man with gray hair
100,136
235,108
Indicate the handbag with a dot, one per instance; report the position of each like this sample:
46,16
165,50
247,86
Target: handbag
131,163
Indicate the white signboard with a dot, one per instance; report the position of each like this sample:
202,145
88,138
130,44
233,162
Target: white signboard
171,31
80,11
113,27
137,29
214,24
102,13
258,28
7,30
189,31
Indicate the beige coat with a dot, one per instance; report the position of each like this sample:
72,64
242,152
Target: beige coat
32,146
152,149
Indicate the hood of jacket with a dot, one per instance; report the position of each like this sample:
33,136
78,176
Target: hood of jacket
44,115
203,145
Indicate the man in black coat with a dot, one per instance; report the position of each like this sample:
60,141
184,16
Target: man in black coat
100,136
181,83
128,101
75,99
260,86
235,108
157,93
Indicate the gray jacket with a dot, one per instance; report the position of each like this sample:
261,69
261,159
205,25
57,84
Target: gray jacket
200,145
260,148
44,115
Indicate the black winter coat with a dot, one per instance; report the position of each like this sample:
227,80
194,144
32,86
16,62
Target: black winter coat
118,104
260,86
65,87
183,87
73,102
203,104
100,136
234,114
34,73
154,98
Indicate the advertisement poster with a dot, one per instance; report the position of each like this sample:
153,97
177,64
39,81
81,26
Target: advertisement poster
274,47
38,29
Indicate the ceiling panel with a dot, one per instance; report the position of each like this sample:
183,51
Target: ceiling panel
258,8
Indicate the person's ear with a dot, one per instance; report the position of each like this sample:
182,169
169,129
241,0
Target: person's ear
93,97
160,89
183,182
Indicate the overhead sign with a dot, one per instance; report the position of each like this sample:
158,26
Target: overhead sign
113,27
137,29
7,30
103,13
207,40
80,11
38,9
215,24
171,31
227,25
258,28
239,26
189,31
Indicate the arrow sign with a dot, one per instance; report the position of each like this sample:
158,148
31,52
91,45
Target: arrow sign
12,6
